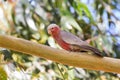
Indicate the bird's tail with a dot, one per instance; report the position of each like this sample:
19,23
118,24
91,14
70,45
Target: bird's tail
94,50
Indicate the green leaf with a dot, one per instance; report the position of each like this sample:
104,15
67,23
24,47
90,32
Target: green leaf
70,21
3,74
79,7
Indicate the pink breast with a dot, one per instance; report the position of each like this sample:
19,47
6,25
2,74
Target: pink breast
59,40
63,44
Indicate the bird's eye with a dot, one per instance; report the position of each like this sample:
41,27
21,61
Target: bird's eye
52,28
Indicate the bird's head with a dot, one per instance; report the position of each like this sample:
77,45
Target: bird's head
53,28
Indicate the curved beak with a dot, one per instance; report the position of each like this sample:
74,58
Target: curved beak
49,32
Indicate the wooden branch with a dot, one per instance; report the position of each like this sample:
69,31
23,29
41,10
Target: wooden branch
61,56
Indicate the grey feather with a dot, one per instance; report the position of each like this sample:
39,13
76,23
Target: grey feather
71,39
77,44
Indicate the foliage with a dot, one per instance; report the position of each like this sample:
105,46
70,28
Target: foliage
96,21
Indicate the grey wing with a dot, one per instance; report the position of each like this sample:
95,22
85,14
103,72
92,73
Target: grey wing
71,39
77,43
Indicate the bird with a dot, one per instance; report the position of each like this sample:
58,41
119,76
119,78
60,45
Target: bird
70,42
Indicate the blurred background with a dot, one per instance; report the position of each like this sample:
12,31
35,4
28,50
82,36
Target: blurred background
96,21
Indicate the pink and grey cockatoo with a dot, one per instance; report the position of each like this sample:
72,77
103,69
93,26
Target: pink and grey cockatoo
70,42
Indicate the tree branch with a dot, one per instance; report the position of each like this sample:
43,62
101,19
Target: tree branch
62,56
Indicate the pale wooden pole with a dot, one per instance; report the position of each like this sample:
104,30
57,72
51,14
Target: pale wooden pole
61,56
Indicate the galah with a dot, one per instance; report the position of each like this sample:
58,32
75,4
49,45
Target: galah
69,41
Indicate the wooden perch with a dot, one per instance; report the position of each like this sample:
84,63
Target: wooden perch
61,56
